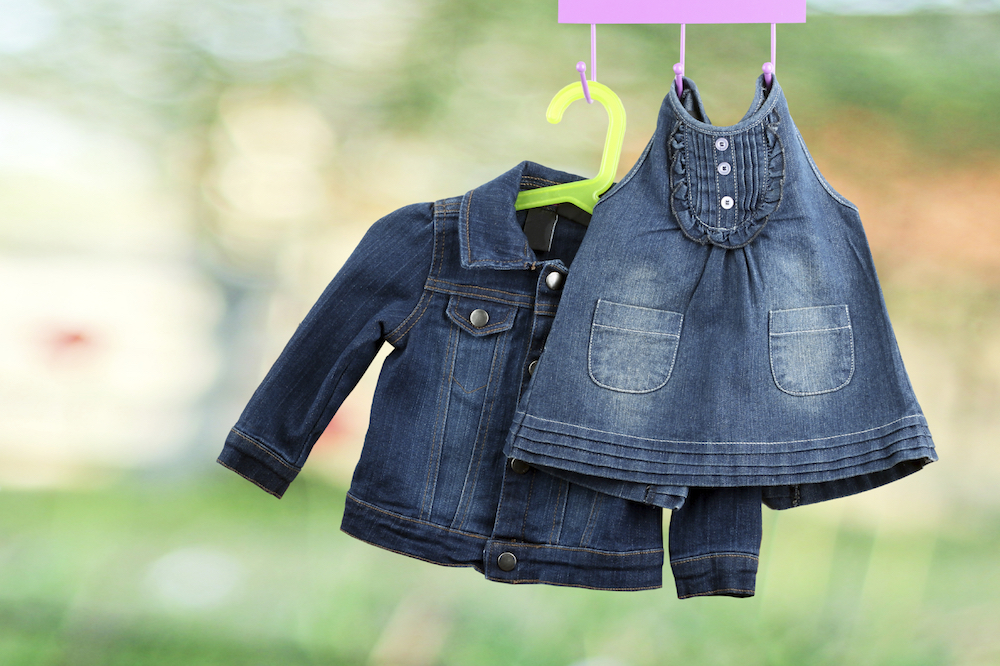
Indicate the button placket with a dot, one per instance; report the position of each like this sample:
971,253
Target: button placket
548,289
724,168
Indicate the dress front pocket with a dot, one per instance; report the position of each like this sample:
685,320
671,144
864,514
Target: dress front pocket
632,348
812,349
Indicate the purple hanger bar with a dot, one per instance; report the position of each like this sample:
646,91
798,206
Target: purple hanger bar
672,11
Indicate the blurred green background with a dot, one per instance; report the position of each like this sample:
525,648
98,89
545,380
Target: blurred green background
179,180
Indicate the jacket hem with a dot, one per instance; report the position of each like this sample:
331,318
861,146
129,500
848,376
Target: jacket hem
536,563
575,567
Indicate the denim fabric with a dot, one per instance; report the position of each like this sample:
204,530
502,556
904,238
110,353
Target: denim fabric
724,327
467,306
703,534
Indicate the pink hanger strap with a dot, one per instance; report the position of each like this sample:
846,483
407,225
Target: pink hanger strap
774,42
582,66
768,67
679,67
593,51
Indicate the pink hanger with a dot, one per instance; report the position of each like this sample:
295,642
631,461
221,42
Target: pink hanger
659,11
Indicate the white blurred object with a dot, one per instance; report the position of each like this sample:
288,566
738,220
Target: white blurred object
270,155
76,186
194,577
101,362
26,25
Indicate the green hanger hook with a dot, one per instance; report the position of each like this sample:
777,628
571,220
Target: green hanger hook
584,193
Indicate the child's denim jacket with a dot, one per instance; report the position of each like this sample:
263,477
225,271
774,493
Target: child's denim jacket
467,305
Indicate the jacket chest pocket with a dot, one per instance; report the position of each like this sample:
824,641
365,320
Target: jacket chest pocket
812,349
479,340
632,348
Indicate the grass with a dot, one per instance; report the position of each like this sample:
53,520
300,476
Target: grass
216,572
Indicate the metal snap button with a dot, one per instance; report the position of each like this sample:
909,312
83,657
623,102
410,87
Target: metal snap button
725,168
532,366
721,143
479,318
554,280
727,202
506,561
519,466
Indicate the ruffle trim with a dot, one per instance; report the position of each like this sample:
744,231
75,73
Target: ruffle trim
753,222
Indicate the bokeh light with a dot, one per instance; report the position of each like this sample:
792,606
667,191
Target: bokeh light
179,181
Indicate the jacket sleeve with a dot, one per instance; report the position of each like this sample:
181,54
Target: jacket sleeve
715,542
376,290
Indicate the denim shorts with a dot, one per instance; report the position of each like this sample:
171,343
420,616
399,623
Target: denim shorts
723,326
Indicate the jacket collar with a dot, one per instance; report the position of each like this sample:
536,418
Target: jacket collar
490,229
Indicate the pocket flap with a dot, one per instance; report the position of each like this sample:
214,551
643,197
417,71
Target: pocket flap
480,317
809,320
638,319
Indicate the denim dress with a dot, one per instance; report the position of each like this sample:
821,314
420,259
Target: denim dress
465,302
723,327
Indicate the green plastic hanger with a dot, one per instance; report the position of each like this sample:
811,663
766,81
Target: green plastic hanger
583,193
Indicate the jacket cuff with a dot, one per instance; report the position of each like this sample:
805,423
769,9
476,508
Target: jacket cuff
715,575
256,464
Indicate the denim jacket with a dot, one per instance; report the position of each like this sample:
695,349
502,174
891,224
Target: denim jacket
466,305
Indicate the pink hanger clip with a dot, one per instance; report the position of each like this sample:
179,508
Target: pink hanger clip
582,68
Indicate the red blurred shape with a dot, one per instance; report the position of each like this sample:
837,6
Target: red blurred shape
68,345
